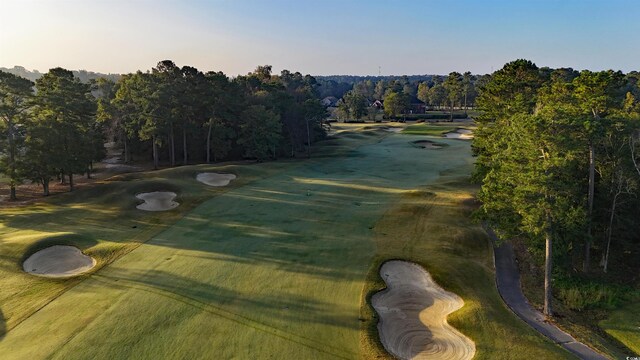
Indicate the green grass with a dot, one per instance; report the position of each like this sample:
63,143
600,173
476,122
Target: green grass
428,129
624,326
278,265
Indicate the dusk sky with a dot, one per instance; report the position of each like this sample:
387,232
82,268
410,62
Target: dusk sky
320,37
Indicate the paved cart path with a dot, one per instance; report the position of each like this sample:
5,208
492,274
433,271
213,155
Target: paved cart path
508,282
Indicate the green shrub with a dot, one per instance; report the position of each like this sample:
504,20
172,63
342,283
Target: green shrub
579,294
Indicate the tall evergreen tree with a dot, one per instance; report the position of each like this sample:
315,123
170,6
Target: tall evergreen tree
15,101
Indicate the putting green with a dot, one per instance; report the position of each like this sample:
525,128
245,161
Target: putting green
272,268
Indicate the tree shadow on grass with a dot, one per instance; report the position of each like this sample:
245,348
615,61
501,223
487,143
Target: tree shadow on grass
3,326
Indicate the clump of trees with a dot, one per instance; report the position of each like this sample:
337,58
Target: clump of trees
555,155
171,115
398,94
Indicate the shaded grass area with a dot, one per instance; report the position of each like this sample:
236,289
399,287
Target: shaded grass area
102,221
273,266
583,324
432,227
624,326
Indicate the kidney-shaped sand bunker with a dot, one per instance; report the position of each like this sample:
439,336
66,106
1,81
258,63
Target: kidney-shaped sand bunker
157,201
413,315
58,261
215,179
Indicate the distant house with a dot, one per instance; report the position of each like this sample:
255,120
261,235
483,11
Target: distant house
416,106
330,101
378,104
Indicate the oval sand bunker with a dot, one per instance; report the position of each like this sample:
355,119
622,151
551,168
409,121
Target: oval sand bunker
157,201
58,261
413,315
464,134
215,179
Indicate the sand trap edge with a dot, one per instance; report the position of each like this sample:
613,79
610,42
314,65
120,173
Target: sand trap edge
448,338
215,179
157,201
87,262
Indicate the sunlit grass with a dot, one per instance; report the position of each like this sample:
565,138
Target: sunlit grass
428,129
624,326
277,265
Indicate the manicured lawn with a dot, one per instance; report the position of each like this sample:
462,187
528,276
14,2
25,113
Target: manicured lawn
624,326
278,265
428,129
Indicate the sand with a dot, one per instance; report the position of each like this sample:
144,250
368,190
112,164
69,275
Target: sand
58,261
157,201
413,315
463,134
215,179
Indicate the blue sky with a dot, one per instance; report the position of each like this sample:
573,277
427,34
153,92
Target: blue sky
320,37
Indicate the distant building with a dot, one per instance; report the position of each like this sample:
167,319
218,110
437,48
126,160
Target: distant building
378,104
416,106
330,101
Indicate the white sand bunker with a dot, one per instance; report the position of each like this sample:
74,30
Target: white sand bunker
58,261
464,134
426,144
393,129
413,315
215,179
157,201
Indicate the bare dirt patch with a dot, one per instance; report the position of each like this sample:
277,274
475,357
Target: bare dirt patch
157,201
413,315
58,261
215,179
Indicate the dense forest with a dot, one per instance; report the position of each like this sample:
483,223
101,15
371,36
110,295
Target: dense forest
559,162
171,115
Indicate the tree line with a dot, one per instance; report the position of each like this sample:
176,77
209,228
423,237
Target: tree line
454,91
170,115
557,157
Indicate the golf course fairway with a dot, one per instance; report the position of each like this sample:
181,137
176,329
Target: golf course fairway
278,265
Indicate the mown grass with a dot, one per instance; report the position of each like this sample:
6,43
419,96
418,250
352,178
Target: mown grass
432,227
428,129
102,221
624,326
273,266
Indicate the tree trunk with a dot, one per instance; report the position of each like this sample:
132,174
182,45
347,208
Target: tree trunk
12,161
184,145
308,141
127,156
451,112
547,274
63,180
609,230
173,147
154,146
209,141
45,187
71,181
89,169
465,103
587,244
